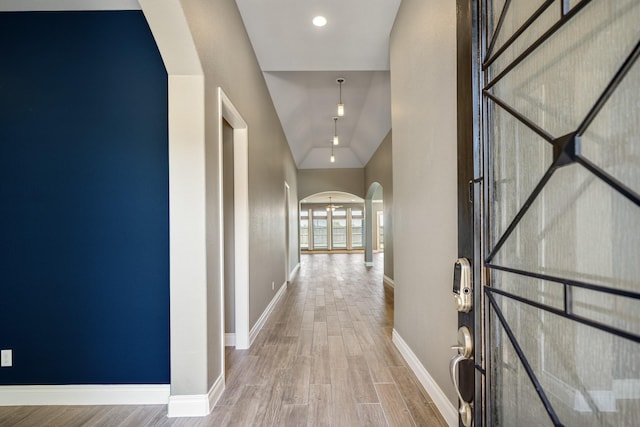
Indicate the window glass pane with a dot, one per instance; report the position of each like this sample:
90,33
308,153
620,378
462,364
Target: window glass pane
356,212
590,377
339,233
611,141
553,87
516,15
356,233
520,159
339,213
304,213
578,228
320,213
496,8
380,233
545,21
304,233
514,401
320,234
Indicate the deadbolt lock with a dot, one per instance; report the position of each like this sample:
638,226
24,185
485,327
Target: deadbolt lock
465,343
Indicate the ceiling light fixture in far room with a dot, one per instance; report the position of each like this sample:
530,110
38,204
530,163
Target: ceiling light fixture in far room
331,207
319,21
336,141
340,80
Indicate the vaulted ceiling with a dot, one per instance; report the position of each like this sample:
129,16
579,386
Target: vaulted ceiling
301,63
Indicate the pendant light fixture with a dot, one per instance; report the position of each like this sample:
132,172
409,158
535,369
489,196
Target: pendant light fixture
340,80
336,141
332,159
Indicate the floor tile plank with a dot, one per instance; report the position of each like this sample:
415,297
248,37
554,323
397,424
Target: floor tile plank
393,406
320,405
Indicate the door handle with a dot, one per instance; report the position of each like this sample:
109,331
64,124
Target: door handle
453,370
465,352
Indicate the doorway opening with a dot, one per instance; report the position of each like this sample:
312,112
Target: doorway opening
373,214
287,232
234,224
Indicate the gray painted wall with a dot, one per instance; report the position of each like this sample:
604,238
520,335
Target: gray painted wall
312,181
228,61
380,170
423,99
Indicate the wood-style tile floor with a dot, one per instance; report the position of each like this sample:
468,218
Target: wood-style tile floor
324,358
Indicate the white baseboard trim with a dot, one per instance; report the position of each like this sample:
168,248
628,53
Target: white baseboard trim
196,405
293,273
216,391
265,314
368,264
188,405
388,281
230,339
99,394
444,405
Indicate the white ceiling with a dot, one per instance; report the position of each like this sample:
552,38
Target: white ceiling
301,63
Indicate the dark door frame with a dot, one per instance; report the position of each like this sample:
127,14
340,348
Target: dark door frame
471,373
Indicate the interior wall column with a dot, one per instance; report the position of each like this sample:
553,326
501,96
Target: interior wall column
368,233
187,208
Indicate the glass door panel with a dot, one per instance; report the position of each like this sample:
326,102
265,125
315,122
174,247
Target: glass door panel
339,229
320,230
561,129
357,222
304,229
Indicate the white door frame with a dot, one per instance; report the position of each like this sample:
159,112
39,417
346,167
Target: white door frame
287,231
228,112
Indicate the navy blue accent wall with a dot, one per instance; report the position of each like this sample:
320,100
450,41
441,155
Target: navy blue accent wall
84,222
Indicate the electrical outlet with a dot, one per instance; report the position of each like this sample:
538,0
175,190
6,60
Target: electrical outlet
273,286
6,358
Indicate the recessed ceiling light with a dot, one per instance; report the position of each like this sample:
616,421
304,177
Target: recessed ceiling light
319,21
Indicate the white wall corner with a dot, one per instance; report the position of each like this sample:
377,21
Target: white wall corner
444,405
293,273
230,339
196,405
388,281
265,314
81,394
171,32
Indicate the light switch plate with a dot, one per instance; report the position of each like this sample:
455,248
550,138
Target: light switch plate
6,358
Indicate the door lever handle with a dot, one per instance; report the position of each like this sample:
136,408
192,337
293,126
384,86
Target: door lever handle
465,352
453,370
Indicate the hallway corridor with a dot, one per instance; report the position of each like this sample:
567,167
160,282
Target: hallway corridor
324,358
